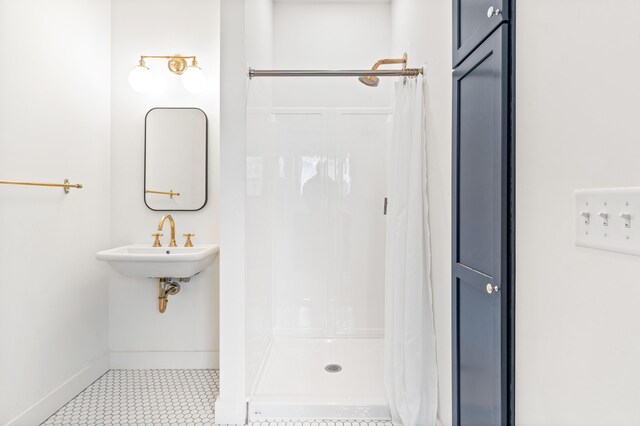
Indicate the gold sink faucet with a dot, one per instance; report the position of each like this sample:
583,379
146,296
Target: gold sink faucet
172,243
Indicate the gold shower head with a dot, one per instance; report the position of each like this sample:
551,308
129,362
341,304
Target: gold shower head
369,80
372,80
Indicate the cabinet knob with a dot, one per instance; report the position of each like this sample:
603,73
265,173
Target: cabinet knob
493,11
492,288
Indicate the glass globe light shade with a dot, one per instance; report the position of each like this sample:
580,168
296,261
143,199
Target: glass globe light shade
141,79
193,79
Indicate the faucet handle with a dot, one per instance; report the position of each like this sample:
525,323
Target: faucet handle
156,243
188,243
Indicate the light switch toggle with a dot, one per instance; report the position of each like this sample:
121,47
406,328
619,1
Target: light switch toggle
605,218
627,219
586,216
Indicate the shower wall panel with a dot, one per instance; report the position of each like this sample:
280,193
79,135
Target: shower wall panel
316,187
357,293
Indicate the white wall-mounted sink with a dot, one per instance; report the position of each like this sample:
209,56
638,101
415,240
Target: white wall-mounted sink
142,261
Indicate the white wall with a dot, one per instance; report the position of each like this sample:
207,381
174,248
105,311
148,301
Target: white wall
231,404
54,123
577,308
330,35
186,335
423,30
259,54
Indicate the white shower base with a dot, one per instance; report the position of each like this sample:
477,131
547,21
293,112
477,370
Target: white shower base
294,384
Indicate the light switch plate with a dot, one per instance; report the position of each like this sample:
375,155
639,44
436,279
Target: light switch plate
608,219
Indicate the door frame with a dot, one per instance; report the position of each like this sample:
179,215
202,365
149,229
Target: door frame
511,194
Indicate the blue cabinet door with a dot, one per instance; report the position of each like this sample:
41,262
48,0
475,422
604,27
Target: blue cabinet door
481,235
473,22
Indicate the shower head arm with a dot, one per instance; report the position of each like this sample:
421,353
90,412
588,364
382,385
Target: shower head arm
402,61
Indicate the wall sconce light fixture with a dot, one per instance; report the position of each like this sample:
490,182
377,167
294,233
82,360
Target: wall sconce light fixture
143,81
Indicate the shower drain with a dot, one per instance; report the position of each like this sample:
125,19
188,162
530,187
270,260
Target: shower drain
333,368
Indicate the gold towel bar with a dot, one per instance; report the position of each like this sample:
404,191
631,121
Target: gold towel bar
170,193
66,185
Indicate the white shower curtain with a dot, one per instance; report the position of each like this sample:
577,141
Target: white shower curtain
410,357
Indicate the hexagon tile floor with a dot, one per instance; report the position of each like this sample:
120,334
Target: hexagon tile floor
160,397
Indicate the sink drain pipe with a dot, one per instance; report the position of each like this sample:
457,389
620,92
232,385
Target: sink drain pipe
168,287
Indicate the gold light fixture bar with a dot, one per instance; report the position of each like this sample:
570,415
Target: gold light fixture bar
66,185
170,193
177,64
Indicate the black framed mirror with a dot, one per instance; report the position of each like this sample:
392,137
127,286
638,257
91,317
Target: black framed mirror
175,159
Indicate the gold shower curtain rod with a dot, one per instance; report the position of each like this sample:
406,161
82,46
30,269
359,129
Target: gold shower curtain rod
368,76
407,72
66,185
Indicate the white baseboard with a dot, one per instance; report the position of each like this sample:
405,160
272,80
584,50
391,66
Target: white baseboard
64,393
230,412
164,360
